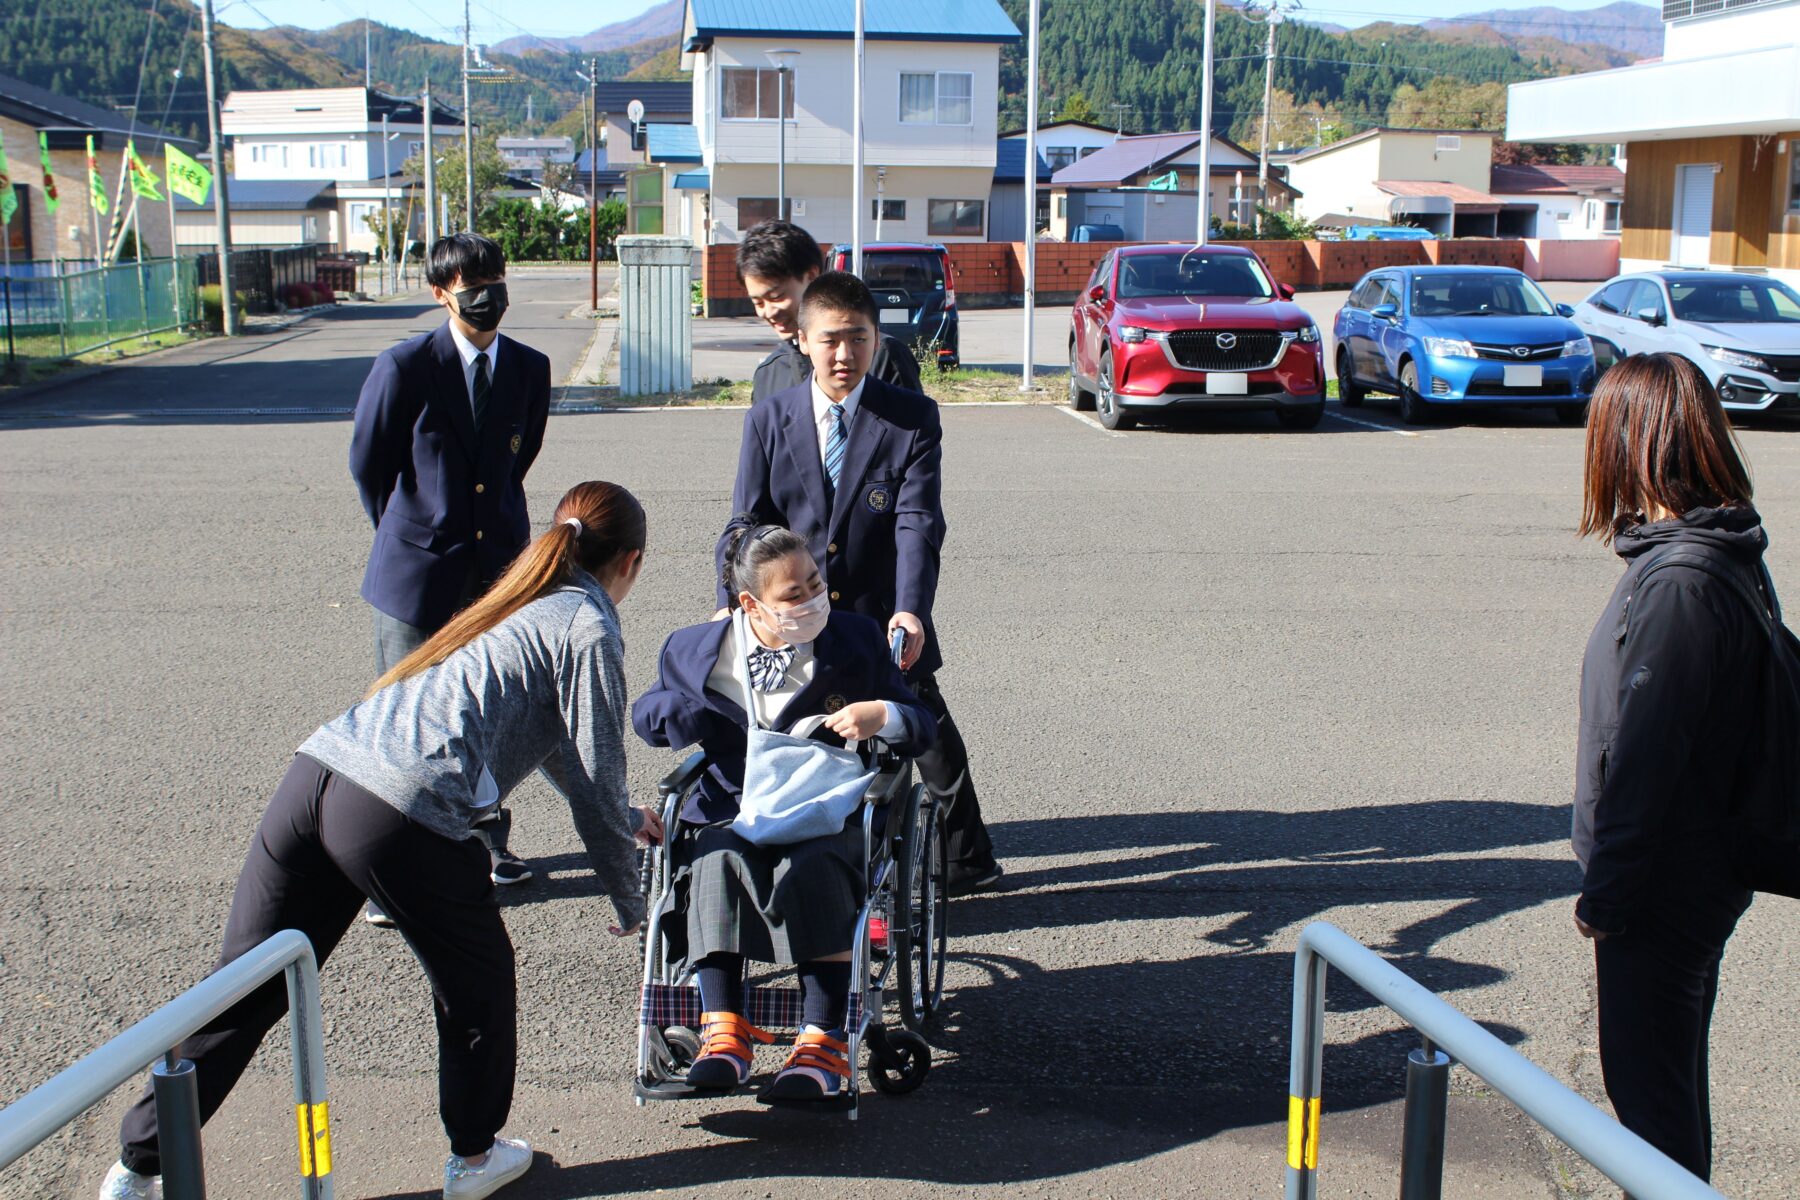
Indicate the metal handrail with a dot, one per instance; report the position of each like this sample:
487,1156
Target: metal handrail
39,1113
1625,1158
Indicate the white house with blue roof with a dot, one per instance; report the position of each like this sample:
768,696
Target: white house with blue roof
931,105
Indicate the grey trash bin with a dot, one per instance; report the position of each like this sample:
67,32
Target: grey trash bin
656,345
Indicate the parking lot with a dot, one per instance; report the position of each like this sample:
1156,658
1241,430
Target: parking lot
1218,681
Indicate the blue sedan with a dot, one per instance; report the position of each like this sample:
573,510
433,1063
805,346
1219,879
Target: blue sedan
1441,336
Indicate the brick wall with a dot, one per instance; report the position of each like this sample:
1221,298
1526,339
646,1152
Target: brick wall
992,274
1471,252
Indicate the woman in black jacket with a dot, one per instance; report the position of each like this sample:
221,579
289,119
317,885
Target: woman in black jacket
1667,689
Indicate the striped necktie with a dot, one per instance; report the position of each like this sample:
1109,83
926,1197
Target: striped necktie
769,668
836,439
483,386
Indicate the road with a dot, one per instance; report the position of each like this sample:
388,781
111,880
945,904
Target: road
1218,681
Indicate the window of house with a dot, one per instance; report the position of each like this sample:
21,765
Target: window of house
310,225
956,218
1058,157
888,210
1794,175
1062,208
940,98
1609,223
1087,151
754,210
752,93
1564,216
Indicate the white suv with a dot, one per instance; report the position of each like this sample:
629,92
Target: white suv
1742,330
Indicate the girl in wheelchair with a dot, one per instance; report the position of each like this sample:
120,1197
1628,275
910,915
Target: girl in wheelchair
811,673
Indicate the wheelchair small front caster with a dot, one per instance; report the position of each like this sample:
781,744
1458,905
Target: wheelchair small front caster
684,1045
898,1062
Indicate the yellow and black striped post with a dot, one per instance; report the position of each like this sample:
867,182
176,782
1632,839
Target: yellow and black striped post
1305,1076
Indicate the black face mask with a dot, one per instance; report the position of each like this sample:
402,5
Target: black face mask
482,307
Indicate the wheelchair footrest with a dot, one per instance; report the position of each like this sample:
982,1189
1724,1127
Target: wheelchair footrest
844,1101
671,1089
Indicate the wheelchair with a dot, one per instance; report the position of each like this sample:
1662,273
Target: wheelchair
905,859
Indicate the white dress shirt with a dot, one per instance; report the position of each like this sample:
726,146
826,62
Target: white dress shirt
822,410
468,350
727,679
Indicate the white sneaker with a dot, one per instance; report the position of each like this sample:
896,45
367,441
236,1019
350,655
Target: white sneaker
509,1159
124,1184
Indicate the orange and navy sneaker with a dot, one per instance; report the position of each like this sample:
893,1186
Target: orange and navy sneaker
818,1068
725,1051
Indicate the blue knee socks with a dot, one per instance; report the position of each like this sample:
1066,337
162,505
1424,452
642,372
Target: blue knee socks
721,979
824,993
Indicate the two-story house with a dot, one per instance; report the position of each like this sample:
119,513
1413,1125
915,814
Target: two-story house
1434,178
1711,132
1060,144
334,135
930,114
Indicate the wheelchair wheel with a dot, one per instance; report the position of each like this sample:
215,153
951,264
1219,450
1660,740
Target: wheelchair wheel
899,1066
922,901
684,1045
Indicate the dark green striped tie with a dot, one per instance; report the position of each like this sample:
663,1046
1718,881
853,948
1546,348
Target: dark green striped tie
483,385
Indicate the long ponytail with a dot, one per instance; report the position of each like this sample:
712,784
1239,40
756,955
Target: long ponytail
596,524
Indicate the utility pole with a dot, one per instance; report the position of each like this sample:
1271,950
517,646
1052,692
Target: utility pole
1031,135
468,126
368,58
861,45
590,106
221,202
387,209
1119,111
430,169
1262,156
1204,188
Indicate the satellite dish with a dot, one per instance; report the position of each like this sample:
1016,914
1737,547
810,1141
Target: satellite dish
635,110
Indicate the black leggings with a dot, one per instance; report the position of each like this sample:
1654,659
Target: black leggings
1657,982
324,844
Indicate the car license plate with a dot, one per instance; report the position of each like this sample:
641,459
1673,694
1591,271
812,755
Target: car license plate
1523,377
1227,385
895,316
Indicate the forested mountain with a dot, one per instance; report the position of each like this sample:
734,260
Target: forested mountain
1131,62
1636,29
663,22
1145,55
91,49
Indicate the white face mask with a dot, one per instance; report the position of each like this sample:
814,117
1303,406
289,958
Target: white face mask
800,623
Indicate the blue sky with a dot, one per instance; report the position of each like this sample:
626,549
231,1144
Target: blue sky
494,20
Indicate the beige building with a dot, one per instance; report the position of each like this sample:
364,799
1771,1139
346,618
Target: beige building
333,136
1711,133
37,234
931,88
1385,176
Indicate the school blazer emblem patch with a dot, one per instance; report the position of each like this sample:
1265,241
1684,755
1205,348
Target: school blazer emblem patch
879,499
834,703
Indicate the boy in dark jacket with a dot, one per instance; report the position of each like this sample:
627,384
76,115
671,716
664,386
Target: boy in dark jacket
852,464
775,262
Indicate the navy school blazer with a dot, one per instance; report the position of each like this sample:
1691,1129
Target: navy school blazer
850,665
877,541
447,504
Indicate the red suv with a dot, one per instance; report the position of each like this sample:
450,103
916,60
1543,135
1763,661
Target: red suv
1162,328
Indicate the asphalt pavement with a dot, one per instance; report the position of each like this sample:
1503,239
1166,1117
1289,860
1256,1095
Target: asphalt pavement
1218,680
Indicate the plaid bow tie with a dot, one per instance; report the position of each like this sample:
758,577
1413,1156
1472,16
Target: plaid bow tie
769,668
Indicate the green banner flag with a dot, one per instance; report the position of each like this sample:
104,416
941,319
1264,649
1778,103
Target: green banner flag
143,180
51,199
96,185
186,176
9,203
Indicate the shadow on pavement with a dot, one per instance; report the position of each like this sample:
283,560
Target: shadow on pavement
1050,1072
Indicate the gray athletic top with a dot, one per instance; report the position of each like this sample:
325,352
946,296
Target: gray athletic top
542,689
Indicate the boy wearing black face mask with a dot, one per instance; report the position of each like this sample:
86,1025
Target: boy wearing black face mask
447,425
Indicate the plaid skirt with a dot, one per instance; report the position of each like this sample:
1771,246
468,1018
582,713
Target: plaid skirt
773,904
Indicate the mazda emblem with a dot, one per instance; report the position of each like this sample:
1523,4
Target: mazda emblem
1521,351
1225,341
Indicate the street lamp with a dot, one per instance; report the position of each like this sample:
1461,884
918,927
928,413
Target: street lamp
783,62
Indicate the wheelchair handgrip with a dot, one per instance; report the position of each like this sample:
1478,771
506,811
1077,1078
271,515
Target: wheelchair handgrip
897,645
683,777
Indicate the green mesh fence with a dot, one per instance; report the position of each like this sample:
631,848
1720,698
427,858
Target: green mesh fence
59,316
